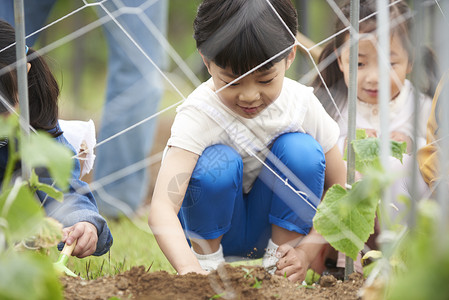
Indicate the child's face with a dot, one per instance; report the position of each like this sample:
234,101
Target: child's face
253,93
368,72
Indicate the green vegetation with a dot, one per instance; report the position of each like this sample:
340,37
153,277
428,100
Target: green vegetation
345,218
21,217
134,245
28,238
217,296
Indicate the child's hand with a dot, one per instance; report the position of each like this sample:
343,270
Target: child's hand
401,137
87,236
293,263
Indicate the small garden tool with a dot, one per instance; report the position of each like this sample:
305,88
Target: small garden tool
61,264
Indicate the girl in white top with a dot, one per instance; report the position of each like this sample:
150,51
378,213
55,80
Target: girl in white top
336,76
249,156
401,108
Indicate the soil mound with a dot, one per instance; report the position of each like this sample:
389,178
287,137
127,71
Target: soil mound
243,282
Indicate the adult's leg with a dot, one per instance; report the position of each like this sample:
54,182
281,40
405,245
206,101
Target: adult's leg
134,90
36,12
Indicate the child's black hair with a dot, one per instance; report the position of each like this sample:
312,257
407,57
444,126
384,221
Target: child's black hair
401,24
242,34
43,90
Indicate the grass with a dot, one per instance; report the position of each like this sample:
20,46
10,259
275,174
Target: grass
134,245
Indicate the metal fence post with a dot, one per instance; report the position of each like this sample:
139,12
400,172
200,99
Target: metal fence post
22,79
352,102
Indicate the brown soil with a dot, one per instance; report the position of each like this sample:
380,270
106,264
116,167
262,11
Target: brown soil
225,283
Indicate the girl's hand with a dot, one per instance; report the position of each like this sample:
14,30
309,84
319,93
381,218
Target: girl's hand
401,137
87,236
293,263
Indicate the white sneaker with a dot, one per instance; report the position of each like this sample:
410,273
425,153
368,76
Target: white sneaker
269,259
210,262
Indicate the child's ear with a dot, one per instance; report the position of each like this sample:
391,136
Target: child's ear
409,67
291,57
340,64
206,62
28,67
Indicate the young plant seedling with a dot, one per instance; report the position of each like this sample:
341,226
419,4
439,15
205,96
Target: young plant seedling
217,296
257,284
247,273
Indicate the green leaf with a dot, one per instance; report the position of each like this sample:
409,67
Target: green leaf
398,149
20,210
48,189
217,296
345,223
367,152
360,134
28,276
41,150
257,284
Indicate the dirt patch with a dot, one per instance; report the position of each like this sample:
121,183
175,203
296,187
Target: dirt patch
225,283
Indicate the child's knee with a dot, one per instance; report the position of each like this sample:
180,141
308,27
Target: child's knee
218,169
303,156
299,147
219,164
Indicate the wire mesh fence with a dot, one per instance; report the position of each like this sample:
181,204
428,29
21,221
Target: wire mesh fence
183,71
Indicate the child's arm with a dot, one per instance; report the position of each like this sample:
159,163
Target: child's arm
169,192
335,169
78,211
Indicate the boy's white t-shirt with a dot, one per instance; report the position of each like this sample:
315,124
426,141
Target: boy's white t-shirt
401,116
203,120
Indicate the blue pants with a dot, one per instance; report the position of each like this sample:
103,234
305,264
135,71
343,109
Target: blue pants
215,205
134,90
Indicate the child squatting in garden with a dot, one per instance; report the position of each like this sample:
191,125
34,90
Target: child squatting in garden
250,151
78,212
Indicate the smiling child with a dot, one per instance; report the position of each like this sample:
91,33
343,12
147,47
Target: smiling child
250,151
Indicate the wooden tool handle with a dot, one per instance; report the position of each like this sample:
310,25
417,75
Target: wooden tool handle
67,250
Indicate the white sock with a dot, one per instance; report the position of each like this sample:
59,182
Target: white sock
210,261
269,259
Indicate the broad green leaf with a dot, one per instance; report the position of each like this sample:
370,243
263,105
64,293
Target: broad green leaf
40,150
346,227
367,152
21,211
28,276
48,189
398,149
